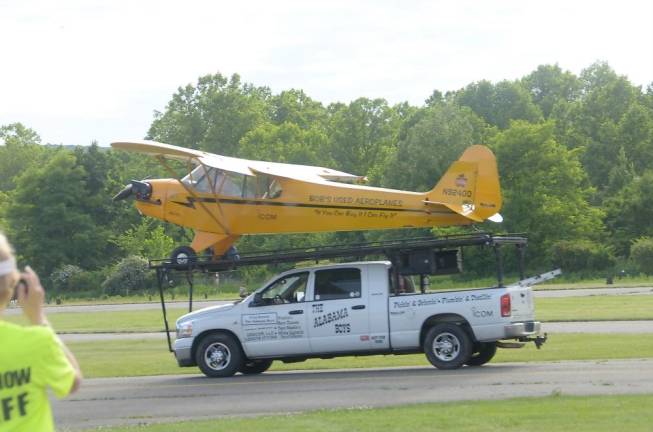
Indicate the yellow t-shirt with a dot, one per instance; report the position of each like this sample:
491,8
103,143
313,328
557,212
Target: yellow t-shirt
31,359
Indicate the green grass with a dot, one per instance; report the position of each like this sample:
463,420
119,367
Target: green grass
116,321
590,308
553,413
595,308
151,357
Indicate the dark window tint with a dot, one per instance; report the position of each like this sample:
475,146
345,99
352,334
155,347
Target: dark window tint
337,284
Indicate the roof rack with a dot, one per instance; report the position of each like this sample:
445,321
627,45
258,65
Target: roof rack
388,248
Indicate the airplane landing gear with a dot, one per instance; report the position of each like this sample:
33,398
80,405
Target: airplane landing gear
183,255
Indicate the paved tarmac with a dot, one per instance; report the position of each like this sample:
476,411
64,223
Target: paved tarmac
114,401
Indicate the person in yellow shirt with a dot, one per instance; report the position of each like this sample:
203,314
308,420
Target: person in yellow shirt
32,358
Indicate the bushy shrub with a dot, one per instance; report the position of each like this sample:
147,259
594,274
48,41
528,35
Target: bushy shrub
583,256
641,254
62,278
130,276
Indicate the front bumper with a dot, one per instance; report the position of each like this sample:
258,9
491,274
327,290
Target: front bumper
184,352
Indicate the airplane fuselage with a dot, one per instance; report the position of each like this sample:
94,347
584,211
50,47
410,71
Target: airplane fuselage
323,207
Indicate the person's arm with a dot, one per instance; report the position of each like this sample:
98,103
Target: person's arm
31,296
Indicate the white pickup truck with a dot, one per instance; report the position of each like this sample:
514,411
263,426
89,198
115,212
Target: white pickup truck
359,308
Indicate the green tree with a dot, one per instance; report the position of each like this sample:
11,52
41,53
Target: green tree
550,86
213,115
20,150
287,143
630,211
429,142
360,132
49,223
641,253
294,106
545,189
499,104
148,240
593,122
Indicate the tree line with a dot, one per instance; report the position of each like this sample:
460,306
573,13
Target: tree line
575,156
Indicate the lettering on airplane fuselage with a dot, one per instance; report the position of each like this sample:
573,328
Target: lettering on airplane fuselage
457,192
329,199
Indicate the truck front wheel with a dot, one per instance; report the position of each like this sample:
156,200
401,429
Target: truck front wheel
447,346
219,355
485,352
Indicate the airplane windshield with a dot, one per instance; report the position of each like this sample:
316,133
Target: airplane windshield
213,180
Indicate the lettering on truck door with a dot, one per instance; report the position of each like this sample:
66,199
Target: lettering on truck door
278,325
339,316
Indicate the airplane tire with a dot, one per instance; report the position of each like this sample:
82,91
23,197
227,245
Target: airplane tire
183,255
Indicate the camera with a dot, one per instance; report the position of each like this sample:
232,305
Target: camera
20,285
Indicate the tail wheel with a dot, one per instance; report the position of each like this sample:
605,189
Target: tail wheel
219,355
183,255
447,346
252,367
484,353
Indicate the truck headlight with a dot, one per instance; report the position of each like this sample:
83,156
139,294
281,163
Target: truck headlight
185,329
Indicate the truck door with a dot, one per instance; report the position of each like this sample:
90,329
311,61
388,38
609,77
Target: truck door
339,314
275,321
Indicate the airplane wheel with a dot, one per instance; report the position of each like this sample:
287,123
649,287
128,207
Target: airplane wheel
183,255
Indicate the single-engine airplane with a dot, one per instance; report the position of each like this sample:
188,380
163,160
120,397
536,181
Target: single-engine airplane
223,198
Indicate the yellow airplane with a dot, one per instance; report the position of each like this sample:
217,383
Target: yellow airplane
223,198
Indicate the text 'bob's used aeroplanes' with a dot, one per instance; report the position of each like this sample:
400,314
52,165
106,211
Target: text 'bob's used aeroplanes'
223,198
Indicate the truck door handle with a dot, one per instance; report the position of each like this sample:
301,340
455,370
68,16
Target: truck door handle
358,307
296,312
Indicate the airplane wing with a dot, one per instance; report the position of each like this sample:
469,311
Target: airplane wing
304,172
184,154
242,166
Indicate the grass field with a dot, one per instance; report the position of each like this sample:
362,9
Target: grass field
553,413
151,357
591,308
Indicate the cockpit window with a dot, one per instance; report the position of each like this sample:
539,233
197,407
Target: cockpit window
213,180
267,186
202,179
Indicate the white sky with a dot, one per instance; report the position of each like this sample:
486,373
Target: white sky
81,70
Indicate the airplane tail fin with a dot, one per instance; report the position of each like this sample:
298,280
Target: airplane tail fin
470,186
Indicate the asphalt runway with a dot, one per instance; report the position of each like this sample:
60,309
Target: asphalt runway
115,401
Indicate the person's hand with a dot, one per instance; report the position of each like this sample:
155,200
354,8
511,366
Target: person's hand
30,297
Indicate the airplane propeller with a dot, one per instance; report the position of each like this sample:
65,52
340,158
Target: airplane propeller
141,189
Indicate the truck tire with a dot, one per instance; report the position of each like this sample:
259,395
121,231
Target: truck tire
219,355
447,346
486,350
252,367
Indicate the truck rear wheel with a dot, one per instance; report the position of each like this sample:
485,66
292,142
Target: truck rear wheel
447,346
486,350
252,367
219,355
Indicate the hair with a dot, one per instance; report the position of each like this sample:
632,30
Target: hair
8,281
